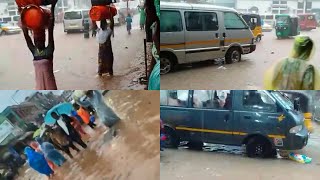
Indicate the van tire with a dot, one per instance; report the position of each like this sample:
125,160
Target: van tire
233,55
195,145
259,147
172,141
166,60
258,39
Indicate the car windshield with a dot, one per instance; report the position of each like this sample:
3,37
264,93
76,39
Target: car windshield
282,19
73,15
285,101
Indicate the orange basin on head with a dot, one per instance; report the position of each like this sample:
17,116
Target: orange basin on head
98,13
34,17
23,3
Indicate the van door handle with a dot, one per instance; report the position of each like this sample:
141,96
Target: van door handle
217,35
247,117
224,35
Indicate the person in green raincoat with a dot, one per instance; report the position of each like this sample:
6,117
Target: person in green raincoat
295,72
154,79
142,17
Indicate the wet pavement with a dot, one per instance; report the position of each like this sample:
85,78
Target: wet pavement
246,74
228,162
132,155
75,61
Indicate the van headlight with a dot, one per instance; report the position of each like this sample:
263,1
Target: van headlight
295,129
252,41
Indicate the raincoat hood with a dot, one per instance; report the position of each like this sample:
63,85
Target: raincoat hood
303,48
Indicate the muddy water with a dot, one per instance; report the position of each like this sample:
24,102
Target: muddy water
133,154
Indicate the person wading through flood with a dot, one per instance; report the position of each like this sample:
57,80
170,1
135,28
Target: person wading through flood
42,55
295,72
50,153
142,17
38,162
105,55
85,116
58,136
64,121
129,23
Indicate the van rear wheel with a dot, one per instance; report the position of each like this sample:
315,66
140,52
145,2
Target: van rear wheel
166,63
258,147
172,140
195,145
233,55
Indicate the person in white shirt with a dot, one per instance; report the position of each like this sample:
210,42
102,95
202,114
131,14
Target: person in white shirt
105,56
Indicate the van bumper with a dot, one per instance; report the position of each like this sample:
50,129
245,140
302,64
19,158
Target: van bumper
297,141
252,48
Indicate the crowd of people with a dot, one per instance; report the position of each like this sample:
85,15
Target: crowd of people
49,149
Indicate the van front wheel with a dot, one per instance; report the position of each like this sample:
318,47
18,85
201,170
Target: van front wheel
258,147
233,55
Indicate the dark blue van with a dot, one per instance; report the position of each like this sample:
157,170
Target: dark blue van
263,121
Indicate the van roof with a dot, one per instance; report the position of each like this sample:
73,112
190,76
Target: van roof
189,6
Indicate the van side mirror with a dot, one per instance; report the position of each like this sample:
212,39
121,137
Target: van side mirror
296,104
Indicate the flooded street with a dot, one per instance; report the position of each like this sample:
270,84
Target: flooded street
207,165
246,74
76,60
133,154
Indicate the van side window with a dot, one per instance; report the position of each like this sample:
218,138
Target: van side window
201,21
233,21
163,97
211,99
178,98
253,99
170,21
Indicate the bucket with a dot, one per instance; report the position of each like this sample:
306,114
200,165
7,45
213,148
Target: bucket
98,13
24,3
34,17
101,2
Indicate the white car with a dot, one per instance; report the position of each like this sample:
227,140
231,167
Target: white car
267,27
7,28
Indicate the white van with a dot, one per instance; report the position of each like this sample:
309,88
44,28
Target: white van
198,32
73,20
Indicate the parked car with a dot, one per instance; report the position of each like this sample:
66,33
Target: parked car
7,28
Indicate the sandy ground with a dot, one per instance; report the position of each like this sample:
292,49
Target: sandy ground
132,155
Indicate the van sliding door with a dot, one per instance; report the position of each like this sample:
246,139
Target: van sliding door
202,35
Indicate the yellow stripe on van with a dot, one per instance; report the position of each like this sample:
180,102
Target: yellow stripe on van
173,46
216,41
276,136
223,132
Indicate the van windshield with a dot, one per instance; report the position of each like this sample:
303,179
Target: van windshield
73,15
283,99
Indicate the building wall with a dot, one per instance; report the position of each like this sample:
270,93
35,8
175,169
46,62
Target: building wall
265,6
